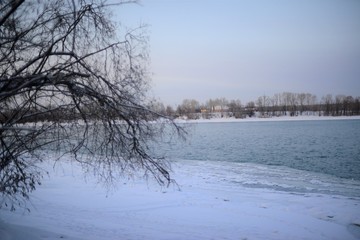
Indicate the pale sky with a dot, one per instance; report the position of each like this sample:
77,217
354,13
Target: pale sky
242,49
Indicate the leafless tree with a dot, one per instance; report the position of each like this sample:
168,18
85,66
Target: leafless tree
301,101
63,63
189,108
170,112
356,105
348,105
235,108
279,104
328,102
310,100
157,106
250,109
263,103
210,105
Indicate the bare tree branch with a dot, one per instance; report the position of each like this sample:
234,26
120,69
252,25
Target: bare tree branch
71,85
14,5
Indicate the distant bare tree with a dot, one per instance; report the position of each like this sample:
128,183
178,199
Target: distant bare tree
275,101
293,103
63,63
301,100
286,98
170,112
310,101
210,105
235,108
356,106
250,109
157,106
263,103
338,104
348,105
190,108
328,102
222,103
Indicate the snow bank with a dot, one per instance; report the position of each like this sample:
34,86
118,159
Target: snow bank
206,204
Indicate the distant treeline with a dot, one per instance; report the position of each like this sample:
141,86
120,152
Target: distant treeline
281,104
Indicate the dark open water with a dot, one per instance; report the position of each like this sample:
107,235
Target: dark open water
326,152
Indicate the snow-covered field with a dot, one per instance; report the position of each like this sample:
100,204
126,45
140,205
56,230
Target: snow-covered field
207,203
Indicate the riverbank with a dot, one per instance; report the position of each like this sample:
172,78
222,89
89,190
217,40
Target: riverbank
264,119
206,204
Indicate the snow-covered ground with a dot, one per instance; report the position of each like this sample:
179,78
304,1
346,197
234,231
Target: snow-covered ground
206,204
265,119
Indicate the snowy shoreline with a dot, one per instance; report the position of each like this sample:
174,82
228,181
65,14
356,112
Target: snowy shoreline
207,204
269,119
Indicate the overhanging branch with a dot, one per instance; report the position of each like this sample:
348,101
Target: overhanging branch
14,6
